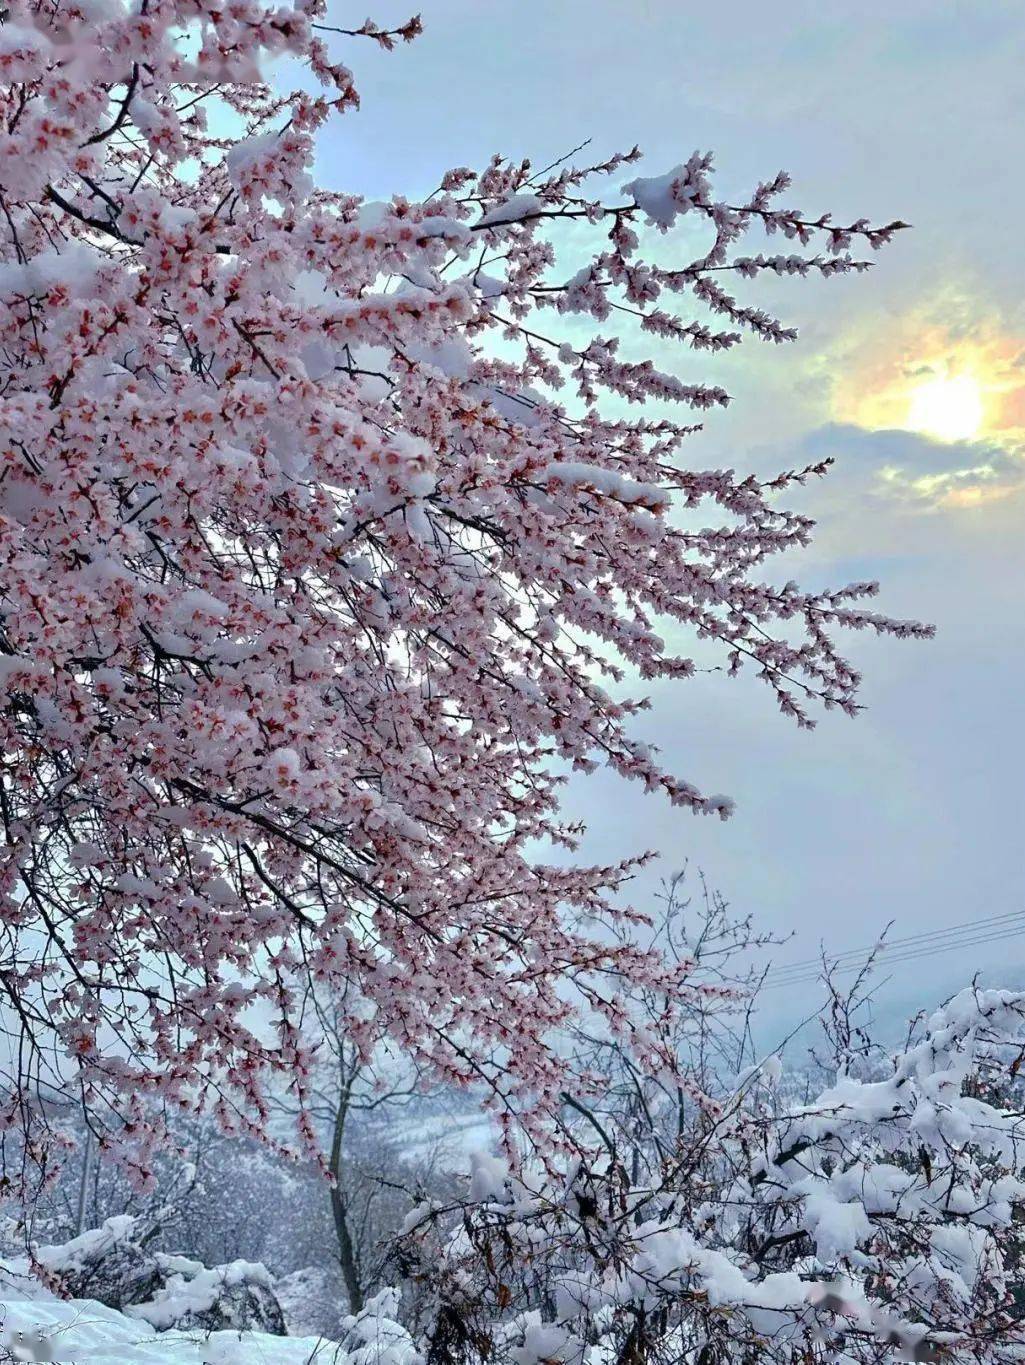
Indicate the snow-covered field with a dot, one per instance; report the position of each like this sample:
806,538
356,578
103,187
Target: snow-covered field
36,1326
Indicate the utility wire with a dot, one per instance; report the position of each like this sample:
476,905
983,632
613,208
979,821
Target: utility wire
885,959
931,935
970,928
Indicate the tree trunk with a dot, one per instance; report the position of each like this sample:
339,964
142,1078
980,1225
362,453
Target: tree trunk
84,1182
346,1249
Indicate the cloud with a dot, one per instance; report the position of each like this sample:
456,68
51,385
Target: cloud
912,468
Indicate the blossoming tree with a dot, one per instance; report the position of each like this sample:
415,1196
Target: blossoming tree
310,577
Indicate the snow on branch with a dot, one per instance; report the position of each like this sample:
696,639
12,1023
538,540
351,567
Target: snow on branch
328,531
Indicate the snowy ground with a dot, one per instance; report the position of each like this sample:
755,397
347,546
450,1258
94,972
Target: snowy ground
35,1326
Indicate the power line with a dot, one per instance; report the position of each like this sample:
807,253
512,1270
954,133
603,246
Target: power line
885,959
884,945
930,935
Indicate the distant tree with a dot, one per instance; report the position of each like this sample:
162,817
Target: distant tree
366,1110
309,580
705,1027
212,1198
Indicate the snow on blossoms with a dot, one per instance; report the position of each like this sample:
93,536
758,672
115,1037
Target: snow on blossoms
323,534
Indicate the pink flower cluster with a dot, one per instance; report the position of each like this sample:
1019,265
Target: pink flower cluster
311,588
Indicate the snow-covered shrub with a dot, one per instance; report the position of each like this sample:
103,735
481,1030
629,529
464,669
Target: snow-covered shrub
36,1326
239,1295
109,1265
374,1337
882,1219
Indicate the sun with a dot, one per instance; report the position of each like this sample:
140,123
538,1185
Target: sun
949,407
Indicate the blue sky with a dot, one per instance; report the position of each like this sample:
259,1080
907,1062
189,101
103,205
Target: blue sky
912,812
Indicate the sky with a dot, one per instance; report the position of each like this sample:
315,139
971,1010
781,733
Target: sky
912,377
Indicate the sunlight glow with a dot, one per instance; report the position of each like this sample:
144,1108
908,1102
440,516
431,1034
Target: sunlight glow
947,407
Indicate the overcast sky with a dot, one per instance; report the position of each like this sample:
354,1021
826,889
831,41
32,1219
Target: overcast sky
913,812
